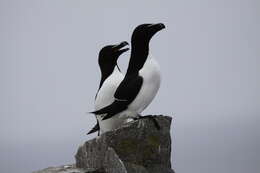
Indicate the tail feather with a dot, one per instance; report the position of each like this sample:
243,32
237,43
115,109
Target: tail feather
97,112
111,110
94,129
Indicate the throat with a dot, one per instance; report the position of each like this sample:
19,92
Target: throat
105,73
137,59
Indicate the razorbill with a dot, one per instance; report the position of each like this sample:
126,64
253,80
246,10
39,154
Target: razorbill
142,80
110,79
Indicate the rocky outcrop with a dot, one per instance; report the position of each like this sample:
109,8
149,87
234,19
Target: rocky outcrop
136,147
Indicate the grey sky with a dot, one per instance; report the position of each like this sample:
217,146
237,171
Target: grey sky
209,57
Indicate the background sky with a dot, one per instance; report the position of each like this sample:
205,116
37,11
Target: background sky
209,57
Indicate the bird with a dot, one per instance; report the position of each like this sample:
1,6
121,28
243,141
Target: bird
142,79
111,77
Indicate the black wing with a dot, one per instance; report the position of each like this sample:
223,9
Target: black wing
129,88
124,95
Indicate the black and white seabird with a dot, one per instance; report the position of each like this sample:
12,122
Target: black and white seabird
111,77
142,80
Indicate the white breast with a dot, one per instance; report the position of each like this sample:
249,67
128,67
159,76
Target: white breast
105,97
151,84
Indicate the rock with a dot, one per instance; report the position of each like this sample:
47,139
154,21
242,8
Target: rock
112,162
137,146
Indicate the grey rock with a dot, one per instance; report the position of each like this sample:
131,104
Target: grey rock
112,163
137,146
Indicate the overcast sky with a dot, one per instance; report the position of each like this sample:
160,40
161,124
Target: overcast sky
209,57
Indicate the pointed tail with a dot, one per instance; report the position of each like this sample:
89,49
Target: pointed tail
111,110
94,129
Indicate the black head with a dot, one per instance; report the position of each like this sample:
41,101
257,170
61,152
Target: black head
109,55
143,33
107,59
140,45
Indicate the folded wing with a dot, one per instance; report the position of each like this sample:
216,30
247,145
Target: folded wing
124,95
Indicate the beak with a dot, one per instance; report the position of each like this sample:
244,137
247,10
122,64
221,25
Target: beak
156,27
118,48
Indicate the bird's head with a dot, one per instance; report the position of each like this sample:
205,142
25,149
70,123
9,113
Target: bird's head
109,55
144,32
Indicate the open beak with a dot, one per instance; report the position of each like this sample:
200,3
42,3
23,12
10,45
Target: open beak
120,47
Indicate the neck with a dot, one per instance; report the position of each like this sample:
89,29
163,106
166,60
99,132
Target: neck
105,73
138,57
